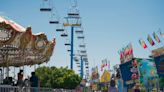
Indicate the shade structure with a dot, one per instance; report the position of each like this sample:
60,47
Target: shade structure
20,47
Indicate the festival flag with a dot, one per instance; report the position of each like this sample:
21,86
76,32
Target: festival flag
156,37
108,65
126,51
142,43
130,49
150,40
121,53
104,64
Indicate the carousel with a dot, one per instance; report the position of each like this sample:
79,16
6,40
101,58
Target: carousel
19,47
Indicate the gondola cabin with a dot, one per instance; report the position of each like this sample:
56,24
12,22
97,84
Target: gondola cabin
59,30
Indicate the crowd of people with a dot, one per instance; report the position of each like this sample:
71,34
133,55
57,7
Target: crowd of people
32,81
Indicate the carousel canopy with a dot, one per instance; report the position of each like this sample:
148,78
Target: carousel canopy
18,46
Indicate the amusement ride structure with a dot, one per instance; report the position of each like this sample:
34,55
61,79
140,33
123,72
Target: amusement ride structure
19,47
74,37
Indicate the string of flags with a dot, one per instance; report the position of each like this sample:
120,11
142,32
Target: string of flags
150,39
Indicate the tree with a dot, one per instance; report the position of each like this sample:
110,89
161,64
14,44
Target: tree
57,77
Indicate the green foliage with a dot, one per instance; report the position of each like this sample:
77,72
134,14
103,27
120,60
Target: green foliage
161,81
57,77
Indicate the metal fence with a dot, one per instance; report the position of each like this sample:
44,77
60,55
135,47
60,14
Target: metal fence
8,88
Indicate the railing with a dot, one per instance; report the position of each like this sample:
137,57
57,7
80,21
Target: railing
9,88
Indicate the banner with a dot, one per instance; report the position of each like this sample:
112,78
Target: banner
105,76
148,73
126,53
126,72
159,61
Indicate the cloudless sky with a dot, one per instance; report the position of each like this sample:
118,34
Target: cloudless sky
109,25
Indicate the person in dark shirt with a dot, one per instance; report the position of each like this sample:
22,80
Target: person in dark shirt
34,82
20,78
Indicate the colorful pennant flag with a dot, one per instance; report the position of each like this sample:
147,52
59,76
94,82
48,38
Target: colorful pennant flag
126,52
104,64
130,49
150,40
142,43
156,37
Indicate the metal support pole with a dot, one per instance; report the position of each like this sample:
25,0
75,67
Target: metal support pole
72,36
82,72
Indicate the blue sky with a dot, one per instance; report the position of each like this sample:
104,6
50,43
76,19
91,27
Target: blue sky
109,25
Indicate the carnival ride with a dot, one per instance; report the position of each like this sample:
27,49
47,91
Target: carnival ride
19,47
76,46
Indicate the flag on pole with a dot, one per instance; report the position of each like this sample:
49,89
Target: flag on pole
104,64
156,37
142,43
109,65
130,49
126,52
150,40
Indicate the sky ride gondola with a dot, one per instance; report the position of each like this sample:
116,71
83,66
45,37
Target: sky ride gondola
45,9
79,31
78,63
82,46
59,30
69,50
80,37
73,15
84,55
83,51
54,19
53,22
64,35
86,63
86,67
46,6
76,59
67,44
85,59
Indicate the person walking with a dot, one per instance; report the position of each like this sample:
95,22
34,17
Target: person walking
112,87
